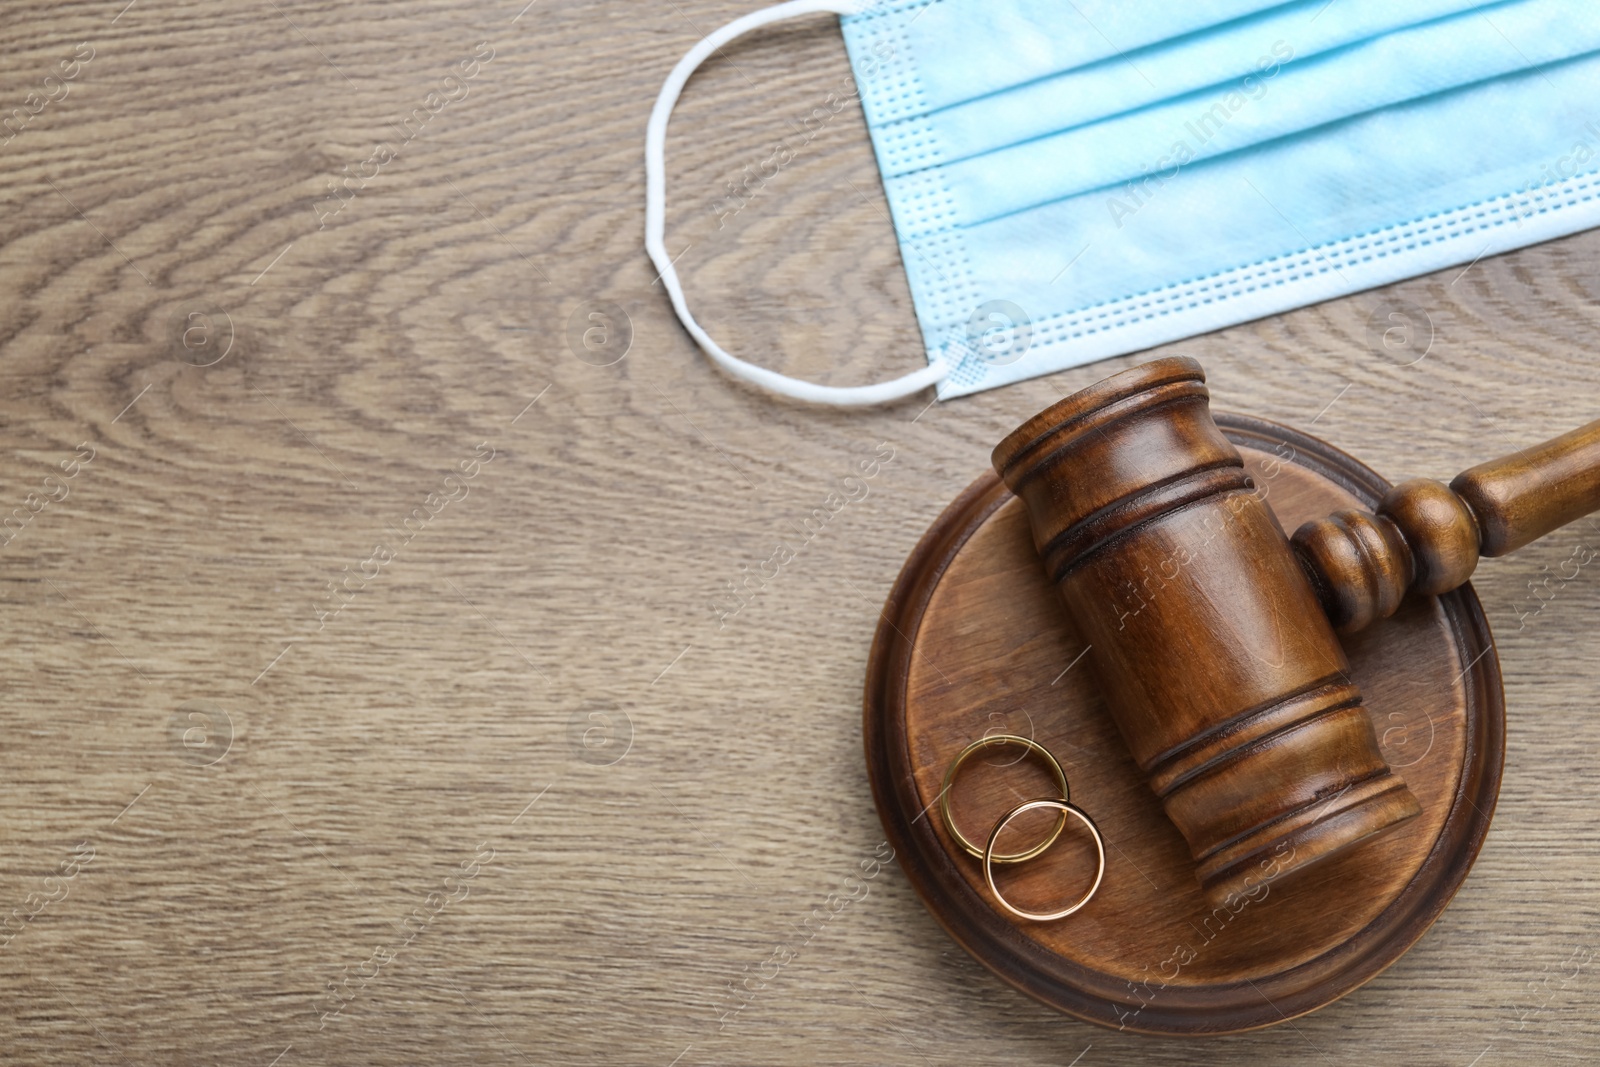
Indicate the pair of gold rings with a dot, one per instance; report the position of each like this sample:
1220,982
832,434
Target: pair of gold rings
1064,807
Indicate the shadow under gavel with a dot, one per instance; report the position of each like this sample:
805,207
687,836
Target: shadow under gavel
1213,636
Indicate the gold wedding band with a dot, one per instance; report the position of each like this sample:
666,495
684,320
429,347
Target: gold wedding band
961,838
989,858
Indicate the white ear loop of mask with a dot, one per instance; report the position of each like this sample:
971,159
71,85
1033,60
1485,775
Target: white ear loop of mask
655,148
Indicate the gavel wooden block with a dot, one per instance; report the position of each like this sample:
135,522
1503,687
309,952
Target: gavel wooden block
1214,636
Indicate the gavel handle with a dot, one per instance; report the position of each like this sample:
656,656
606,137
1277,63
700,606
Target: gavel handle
1428,536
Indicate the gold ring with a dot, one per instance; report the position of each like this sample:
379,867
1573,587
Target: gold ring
989,858
950,777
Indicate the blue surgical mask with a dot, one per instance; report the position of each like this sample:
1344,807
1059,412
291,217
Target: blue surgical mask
1077,179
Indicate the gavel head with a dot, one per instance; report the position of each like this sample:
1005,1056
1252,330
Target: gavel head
1215,659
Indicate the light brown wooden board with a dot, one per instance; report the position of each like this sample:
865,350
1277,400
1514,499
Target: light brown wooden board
372,759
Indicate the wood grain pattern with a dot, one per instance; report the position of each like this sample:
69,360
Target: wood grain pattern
649,908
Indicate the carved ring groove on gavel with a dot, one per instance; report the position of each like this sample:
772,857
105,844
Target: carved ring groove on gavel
1213,637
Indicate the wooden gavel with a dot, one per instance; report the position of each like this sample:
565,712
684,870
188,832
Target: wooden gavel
1213,636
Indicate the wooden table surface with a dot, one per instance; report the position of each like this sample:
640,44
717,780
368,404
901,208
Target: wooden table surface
372,692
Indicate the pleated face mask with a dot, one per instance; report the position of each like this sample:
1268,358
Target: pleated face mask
1079,179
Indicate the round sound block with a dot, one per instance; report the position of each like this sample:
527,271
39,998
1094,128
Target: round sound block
974,642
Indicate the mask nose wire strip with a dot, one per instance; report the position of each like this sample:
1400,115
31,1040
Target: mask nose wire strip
655,227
